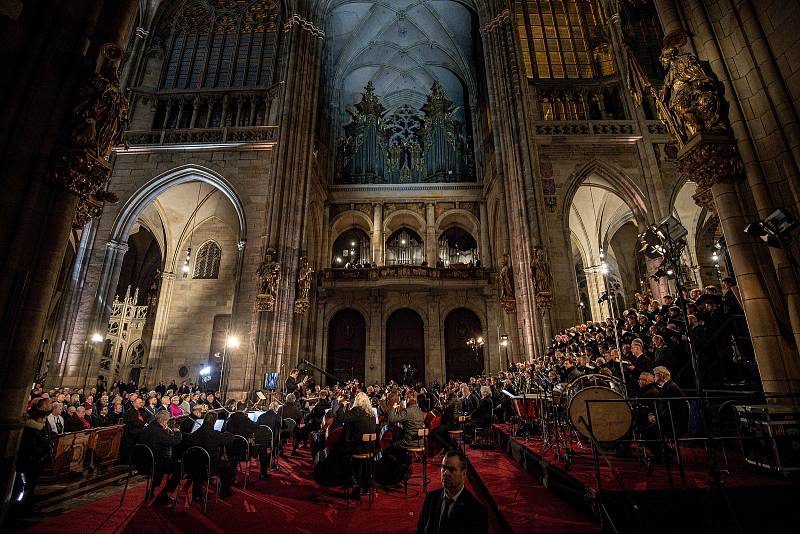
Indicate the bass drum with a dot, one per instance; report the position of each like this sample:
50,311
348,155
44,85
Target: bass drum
610,421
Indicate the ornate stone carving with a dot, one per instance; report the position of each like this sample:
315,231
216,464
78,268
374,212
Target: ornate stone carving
542,278
303,24
269,273
91,206
304,274
96,125
364,208
506,280
707,160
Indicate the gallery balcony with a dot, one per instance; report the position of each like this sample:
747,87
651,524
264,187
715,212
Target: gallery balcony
405,276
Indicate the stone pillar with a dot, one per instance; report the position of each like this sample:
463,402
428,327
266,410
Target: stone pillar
714,163
485,255
431,239
195,111
377,233
293,171
55,48
596,285
674,34
160,327
375,358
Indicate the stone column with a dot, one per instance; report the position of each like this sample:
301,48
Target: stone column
431,239
595,286
375,358
674,34
714,163
485,255
377,233
160,327
293,170
56,47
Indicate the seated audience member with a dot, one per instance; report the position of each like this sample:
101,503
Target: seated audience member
77,421
161,439
211,402
212,441
54,420
151,408
174,407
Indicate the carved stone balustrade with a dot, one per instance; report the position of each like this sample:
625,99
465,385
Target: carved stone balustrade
229,134
404,275
599,128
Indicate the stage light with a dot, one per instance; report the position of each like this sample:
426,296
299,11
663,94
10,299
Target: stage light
352,243
402,241
97,338
604,268
205,371
338,259
602,254
504,341
233,342
670,272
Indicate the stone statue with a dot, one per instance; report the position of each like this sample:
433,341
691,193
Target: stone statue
688,102
269,272
540,269
303,286
506,280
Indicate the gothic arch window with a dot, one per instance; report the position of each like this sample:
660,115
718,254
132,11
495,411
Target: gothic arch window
221,44
206,266
562,39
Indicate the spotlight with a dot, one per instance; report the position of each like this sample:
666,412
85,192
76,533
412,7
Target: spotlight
602,254
670,272
504,340
402,241
205,371
352,243
232,342
338,259
97,338
604,268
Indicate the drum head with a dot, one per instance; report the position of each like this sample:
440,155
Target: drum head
609,420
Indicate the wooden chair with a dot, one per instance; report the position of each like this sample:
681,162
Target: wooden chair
368,459
457,435
420,453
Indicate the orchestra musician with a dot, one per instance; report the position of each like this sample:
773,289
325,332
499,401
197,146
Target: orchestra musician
314,420
161,439
290,410
452,411
212,441
481,416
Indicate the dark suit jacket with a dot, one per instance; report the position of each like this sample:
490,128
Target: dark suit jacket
211,440
466,515
239,424
160,442
483,413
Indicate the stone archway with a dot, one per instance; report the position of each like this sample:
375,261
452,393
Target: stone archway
405,345
347,341
460,360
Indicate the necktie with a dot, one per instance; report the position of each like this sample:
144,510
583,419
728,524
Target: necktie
448,503
59,426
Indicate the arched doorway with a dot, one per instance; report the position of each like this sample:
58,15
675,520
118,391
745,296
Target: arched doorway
405,345
462,361
347,340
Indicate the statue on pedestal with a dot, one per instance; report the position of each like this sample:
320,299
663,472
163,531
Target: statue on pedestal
269,272
304,273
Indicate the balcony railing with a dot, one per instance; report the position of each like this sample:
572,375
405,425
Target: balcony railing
181,136
405,272
595,128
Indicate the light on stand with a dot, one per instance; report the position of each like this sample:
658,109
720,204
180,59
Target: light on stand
504,341
205,371
97,338
233,342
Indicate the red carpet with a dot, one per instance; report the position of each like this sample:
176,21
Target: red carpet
288,502
525,504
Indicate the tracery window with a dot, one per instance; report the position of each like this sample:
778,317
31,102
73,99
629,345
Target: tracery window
221,44
557,37
206,266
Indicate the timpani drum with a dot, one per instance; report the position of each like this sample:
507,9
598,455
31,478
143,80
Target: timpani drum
611,419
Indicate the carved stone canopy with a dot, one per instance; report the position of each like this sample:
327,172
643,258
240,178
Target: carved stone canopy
707,159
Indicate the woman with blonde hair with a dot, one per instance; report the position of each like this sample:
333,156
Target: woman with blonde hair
358,420
174,408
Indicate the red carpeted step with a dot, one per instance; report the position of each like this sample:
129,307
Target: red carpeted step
525,504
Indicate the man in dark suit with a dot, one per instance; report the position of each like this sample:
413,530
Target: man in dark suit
160,438
265,439
212,440
289,410
452,509
239,424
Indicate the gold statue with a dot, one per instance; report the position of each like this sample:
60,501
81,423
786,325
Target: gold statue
100,116
689,100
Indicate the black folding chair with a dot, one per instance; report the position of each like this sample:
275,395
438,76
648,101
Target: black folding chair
265,437
239,451
195,462
142,457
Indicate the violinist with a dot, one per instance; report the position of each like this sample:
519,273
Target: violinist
314,420
452,411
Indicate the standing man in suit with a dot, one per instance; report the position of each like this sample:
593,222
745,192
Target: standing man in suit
452,509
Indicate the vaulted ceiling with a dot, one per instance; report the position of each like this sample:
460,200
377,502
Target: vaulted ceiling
402,46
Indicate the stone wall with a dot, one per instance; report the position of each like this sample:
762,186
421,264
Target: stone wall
248,171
